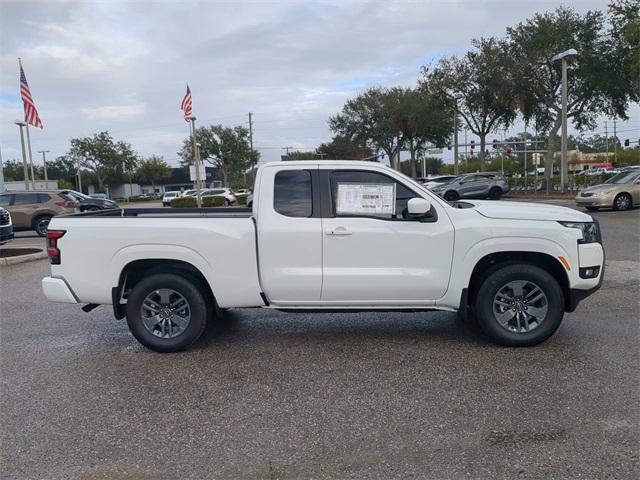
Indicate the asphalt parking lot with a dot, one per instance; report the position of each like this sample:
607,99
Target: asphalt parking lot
274,395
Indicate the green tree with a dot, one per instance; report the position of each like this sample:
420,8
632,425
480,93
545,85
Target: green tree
477,86
371,119
13,170
343,148
153,169
598,84
624,40
226,148
63,168
424,120
302,155
105,158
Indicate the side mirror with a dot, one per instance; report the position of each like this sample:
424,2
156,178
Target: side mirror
418,207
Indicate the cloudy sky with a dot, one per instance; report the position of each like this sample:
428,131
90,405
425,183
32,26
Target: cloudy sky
123,66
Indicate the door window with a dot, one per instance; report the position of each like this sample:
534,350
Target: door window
401,193
292,195
26,199
5,200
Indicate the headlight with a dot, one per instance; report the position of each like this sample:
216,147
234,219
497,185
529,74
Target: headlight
590,231
602,193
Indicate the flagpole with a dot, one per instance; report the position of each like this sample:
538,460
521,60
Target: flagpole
33,178
24,154
196,161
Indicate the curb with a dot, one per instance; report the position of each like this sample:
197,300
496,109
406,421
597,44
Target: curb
23,258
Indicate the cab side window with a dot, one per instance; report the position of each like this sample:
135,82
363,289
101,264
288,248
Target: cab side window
5,200
292,194
356,177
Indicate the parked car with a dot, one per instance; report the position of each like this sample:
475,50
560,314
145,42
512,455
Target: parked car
242,191
436,180
189,193
490,185
103,196
227,193
34,210
6,227
250,201
87,203
330,235
598,171
620,192
168,196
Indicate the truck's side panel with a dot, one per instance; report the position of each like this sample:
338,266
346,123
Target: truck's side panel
96,250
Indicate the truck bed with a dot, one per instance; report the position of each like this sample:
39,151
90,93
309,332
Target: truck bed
220,242
217,212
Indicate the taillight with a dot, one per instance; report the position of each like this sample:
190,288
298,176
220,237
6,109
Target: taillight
52,245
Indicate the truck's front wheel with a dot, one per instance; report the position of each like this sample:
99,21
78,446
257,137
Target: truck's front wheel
166,312
519,305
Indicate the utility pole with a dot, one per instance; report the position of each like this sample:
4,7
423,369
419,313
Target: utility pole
456,169
2,185
33,178
466,152
252,159
44,162
525,154
615,142
24,155
79,177
196,160
606,138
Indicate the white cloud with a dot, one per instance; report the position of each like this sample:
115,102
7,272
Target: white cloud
115,112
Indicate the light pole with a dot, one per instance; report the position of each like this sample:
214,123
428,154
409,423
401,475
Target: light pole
564,57
44,163
24,154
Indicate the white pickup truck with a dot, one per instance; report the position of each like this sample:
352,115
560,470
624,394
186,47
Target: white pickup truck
323,236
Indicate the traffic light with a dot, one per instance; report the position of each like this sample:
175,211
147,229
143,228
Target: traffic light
448,146
473,144
626,142
495,144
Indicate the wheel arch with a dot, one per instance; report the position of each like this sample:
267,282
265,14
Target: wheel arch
496,260
136,270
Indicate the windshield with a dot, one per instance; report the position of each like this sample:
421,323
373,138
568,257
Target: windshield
623,177
78,195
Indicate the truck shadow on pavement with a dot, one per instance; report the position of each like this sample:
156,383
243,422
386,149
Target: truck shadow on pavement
247,327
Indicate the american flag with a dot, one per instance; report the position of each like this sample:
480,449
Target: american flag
186,105
30,111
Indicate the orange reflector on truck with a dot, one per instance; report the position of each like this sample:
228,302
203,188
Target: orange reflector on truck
565,263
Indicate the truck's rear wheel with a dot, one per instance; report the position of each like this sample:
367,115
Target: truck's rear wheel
166,312
519,305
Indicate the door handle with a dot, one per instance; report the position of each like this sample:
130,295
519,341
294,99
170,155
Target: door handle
337,231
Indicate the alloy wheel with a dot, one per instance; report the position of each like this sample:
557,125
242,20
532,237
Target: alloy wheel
622,202
165,313
520,306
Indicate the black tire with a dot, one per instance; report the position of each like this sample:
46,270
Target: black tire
92,209
41,224
495,193
622,202
196,303
451,196
593,209
500,277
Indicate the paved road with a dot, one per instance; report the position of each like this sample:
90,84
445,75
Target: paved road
272,395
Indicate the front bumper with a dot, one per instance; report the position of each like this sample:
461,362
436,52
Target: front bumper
588,257
6,234
57,290
595,201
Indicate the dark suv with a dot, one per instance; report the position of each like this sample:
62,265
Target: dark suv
33,210
6,227
490,185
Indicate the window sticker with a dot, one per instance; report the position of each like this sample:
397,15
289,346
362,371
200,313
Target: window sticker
366,199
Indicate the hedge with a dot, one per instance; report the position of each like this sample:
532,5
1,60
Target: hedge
192,202
242,199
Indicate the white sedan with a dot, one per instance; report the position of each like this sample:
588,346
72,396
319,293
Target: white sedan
220,192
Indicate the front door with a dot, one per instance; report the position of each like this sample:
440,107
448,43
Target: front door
385,258
290,234
23,208
473,186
